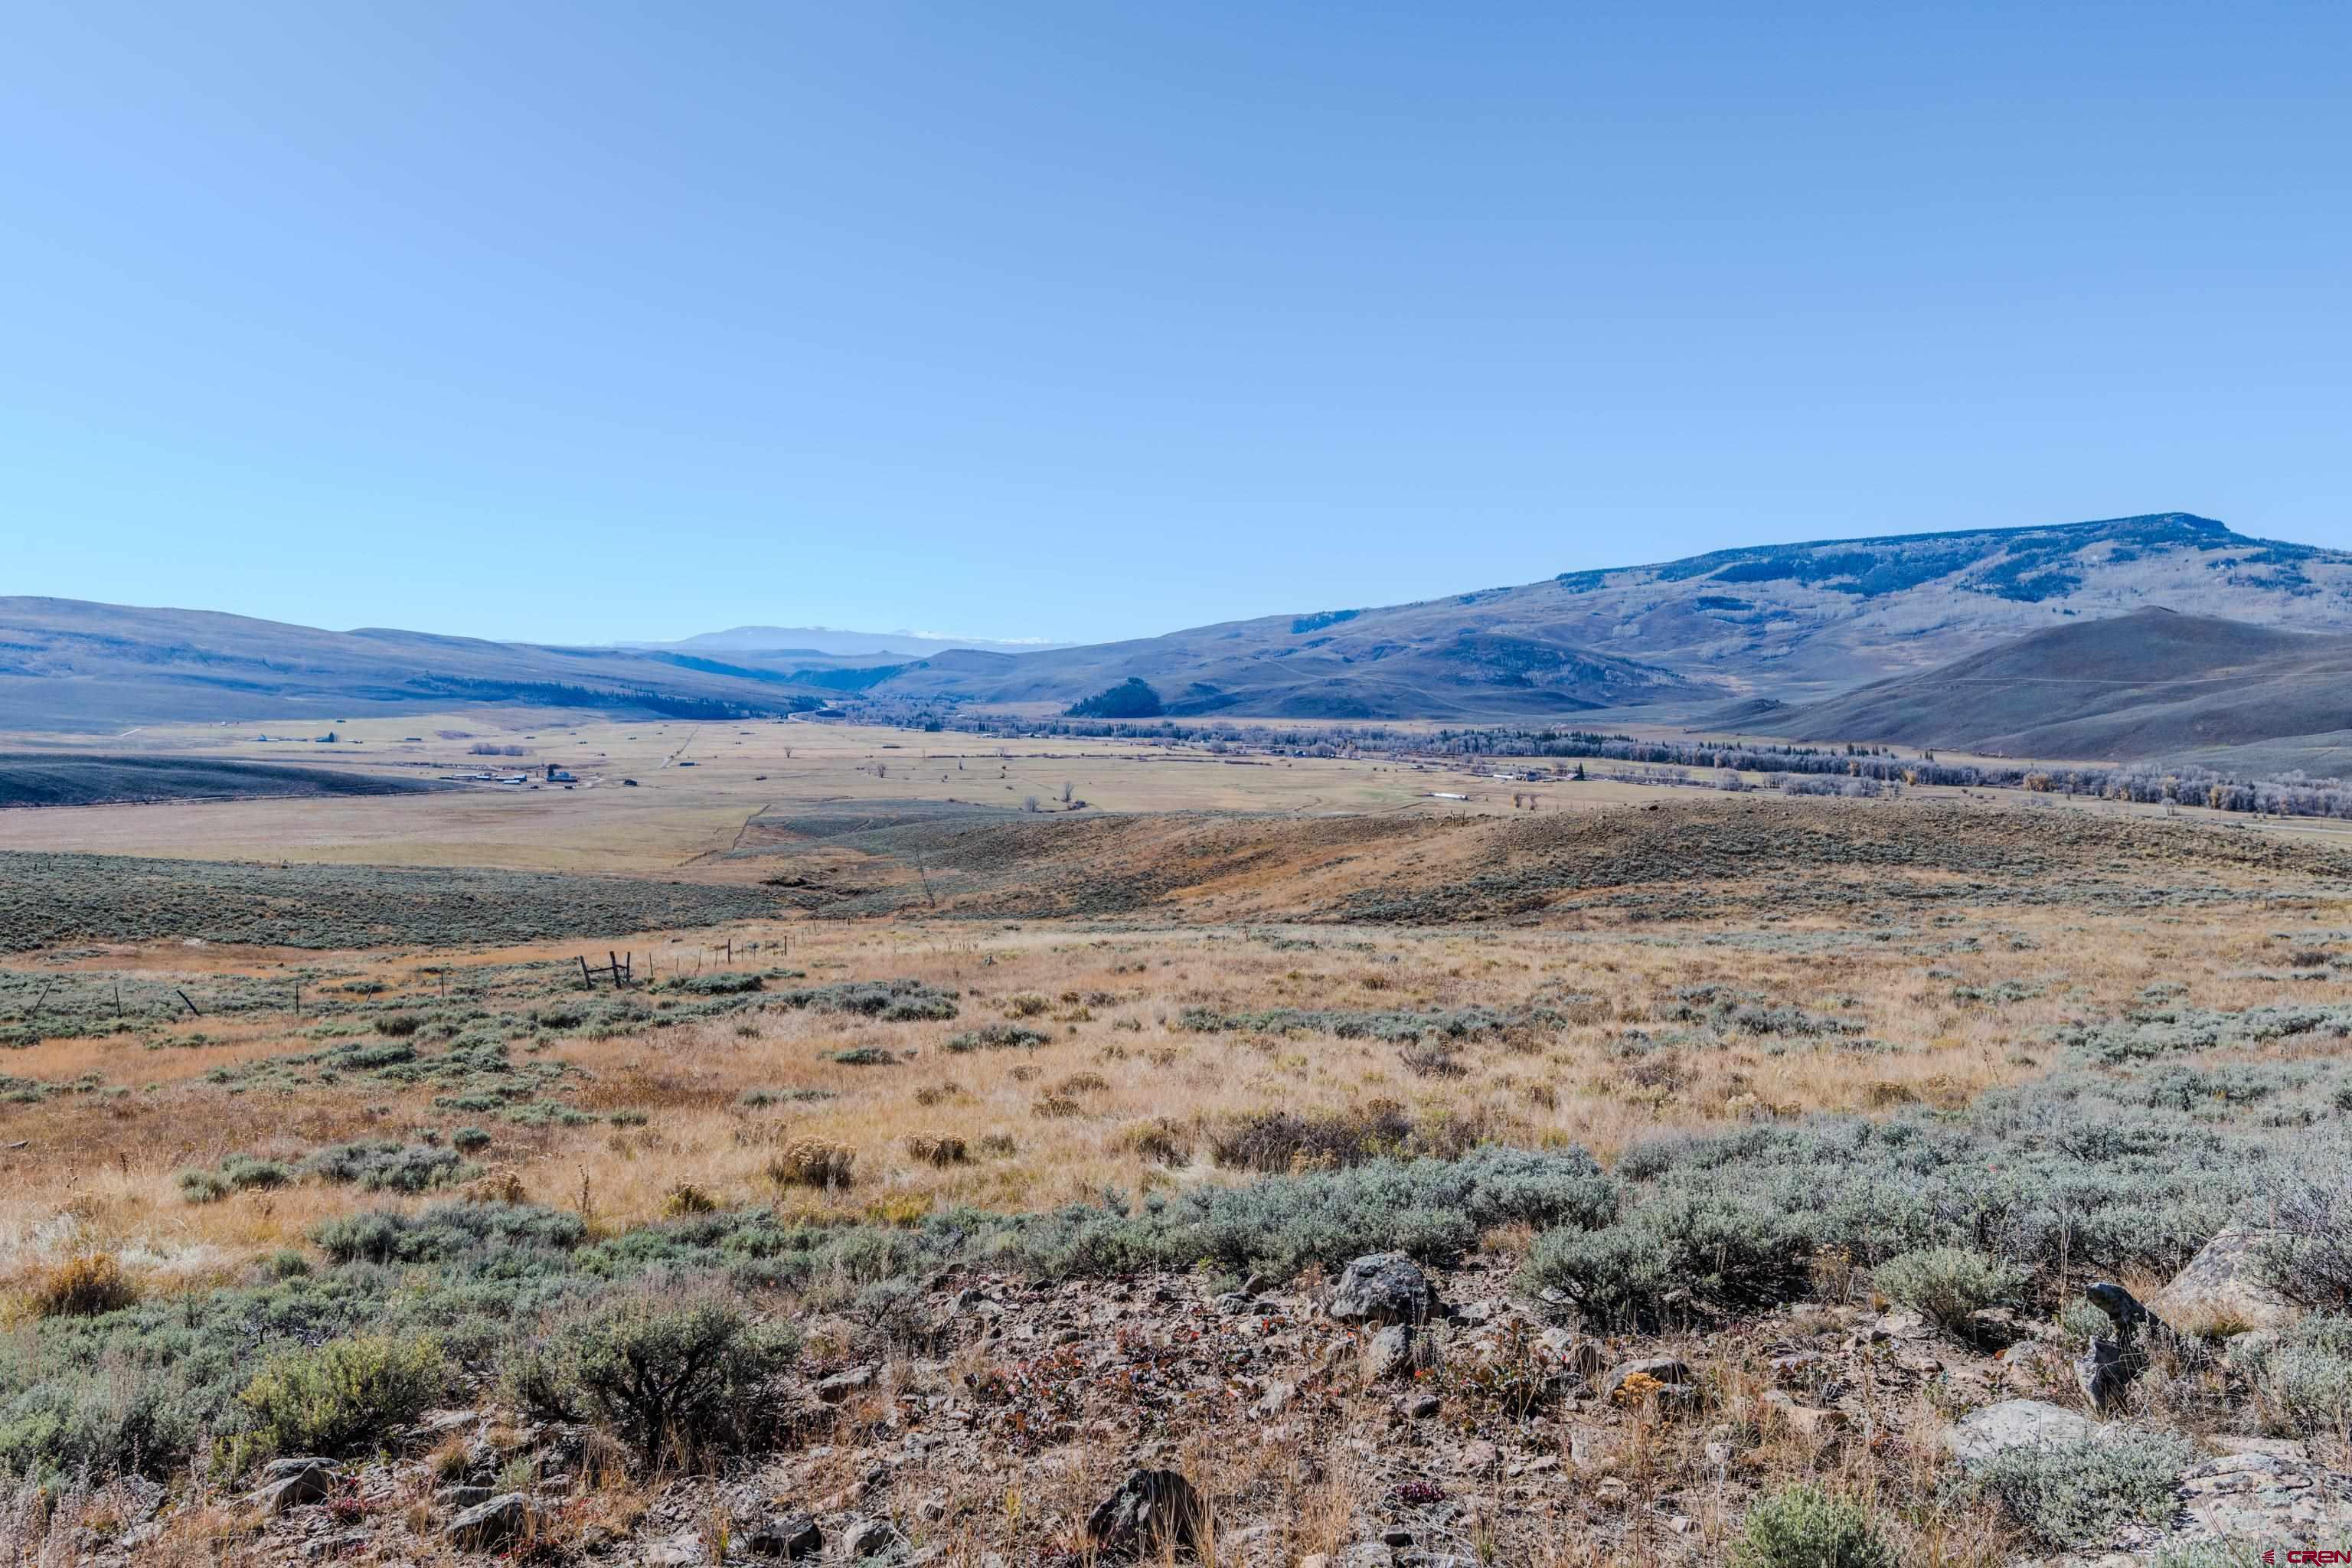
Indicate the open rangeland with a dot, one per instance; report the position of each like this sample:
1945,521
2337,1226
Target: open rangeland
933,1166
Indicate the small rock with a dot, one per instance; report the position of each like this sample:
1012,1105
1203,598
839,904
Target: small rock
1806,1420
841,1384
795,1540
489,1524
1383,1288
291,1483
1660,1369
1904,1325
1152,1511
865,1538
1389,1353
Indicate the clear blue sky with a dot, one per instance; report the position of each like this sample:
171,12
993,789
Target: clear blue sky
588,320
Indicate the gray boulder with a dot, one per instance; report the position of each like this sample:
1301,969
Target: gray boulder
491,1524
291,1483
1383,1288
868,1537
2225,1283
2016,1424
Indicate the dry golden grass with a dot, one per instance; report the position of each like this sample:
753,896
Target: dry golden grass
1120,1096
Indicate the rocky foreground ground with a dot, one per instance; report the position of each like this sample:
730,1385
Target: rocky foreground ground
1389,1418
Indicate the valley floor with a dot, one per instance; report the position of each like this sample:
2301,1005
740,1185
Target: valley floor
964,1163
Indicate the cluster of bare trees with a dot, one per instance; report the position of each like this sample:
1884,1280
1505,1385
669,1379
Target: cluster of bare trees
1845,770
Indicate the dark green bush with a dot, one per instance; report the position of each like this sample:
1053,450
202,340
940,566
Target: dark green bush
671,1380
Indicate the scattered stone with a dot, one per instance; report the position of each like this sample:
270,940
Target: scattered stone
1806,1420
865,1538
795,1540
489,1524
1663,1370
841,1384
1152,1511
1389,1353
291,1483
1383,1288
2267,1497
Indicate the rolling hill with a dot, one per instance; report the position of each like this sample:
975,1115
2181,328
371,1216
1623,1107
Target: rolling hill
1797,621
34,778
2152,683
68,664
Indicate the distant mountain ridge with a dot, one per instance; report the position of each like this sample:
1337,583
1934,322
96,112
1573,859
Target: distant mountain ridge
69,664
1797,624
1798,621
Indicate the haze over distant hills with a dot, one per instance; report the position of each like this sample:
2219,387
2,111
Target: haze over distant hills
1800,624
68,664
1788,620
833,641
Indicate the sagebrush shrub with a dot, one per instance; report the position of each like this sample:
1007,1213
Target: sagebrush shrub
670,1380
392,1167
2301,1380
1678,1252
1946,1283
2077,1494
346,1394
1804,1527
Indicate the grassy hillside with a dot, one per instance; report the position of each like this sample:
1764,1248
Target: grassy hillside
1799,621
2152,683
29,778
68,664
